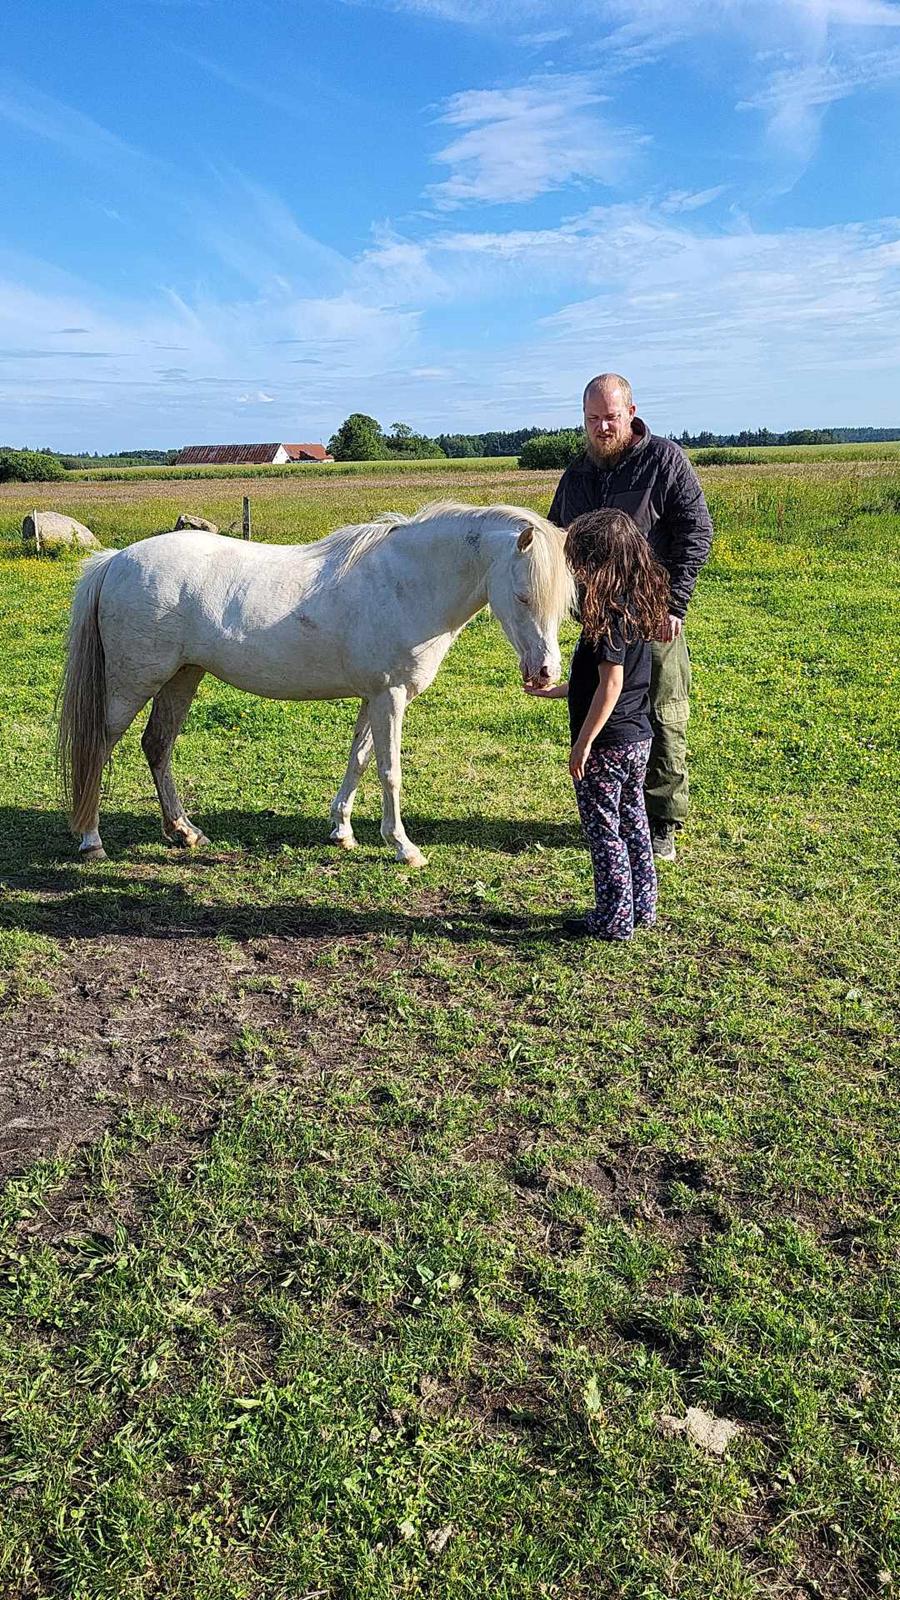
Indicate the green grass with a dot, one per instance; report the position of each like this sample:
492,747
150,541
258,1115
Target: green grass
780,454
297,470
462,1210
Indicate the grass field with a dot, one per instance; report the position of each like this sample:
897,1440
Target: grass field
358,1233
798,454
462,467
296,472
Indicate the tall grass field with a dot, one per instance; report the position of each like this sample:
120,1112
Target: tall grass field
361,1238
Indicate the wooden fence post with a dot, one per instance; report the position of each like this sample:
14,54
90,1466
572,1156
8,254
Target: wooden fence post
246,532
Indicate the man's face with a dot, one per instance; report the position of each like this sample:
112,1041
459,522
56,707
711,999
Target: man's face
607,423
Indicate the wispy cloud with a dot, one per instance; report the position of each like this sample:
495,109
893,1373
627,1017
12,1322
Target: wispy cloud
77,135
796,58
688,200
795,96
520,142
539,41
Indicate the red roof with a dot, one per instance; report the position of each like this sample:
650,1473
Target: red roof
307,452
212,455
218,455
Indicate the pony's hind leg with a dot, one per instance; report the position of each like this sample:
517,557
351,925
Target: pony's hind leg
342,805
170,707
120,715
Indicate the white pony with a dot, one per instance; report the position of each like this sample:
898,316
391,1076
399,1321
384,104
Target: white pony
368,612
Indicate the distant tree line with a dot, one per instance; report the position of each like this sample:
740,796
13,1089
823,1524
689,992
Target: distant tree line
754,438
26,466
122,458
497,443
361,438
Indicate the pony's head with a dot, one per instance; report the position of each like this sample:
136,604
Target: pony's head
530,588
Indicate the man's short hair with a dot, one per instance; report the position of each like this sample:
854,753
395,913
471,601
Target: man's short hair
609,380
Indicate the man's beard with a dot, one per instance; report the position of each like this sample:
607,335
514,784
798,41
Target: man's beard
603,451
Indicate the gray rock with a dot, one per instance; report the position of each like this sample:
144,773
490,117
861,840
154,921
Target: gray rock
188,520
51,530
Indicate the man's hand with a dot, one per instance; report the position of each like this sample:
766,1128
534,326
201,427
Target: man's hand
578,757
547,691
673,628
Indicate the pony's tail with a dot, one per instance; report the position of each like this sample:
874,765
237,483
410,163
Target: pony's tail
81,741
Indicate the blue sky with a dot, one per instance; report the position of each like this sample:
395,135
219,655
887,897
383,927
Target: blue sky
235,220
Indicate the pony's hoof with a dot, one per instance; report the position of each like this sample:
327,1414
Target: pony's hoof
94,852
192,840
414,859
344,841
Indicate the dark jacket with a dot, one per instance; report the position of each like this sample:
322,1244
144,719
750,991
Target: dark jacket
656,484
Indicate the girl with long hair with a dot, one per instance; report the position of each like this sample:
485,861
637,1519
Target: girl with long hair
624,602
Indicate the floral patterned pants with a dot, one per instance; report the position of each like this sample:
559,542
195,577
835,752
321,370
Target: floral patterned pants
614,817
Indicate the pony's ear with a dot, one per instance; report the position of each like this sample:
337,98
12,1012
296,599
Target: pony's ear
525,538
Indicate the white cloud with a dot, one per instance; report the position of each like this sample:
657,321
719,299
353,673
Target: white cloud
759,326
795,96
826,43
719,329
520,142
687,200
539,41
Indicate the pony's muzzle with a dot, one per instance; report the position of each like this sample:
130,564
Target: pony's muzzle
540,677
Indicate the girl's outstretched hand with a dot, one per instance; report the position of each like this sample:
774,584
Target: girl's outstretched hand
554,691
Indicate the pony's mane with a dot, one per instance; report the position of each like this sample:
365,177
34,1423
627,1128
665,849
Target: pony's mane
552,586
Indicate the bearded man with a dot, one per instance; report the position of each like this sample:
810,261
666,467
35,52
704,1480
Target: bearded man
626,466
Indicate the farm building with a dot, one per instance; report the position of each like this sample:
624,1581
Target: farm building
258,455
307,452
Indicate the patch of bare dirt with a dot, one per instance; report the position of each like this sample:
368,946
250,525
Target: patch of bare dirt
143,1020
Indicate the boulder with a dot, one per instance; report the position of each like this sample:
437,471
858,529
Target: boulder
188,520
50,530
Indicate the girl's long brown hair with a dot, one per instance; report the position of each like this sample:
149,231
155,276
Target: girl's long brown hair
619,580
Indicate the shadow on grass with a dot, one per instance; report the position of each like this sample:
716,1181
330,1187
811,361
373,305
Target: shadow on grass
46,890
169,913
38,841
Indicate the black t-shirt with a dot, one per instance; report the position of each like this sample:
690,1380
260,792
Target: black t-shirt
629,721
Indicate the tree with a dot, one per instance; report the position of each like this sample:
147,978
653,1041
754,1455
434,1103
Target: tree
359,438
410,446
456,445
547,450
30,466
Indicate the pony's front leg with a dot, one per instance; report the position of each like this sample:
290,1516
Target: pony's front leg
386,717
342,805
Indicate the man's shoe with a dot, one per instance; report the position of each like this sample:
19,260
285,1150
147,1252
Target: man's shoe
662,838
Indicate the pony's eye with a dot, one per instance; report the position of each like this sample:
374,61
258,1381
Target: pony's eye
522,599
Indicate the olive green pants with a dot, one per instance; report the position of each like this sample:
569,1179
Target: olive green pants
666,783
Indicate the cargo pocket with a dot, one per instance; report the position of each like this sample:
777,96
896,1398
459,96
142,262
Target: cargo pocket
671,713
